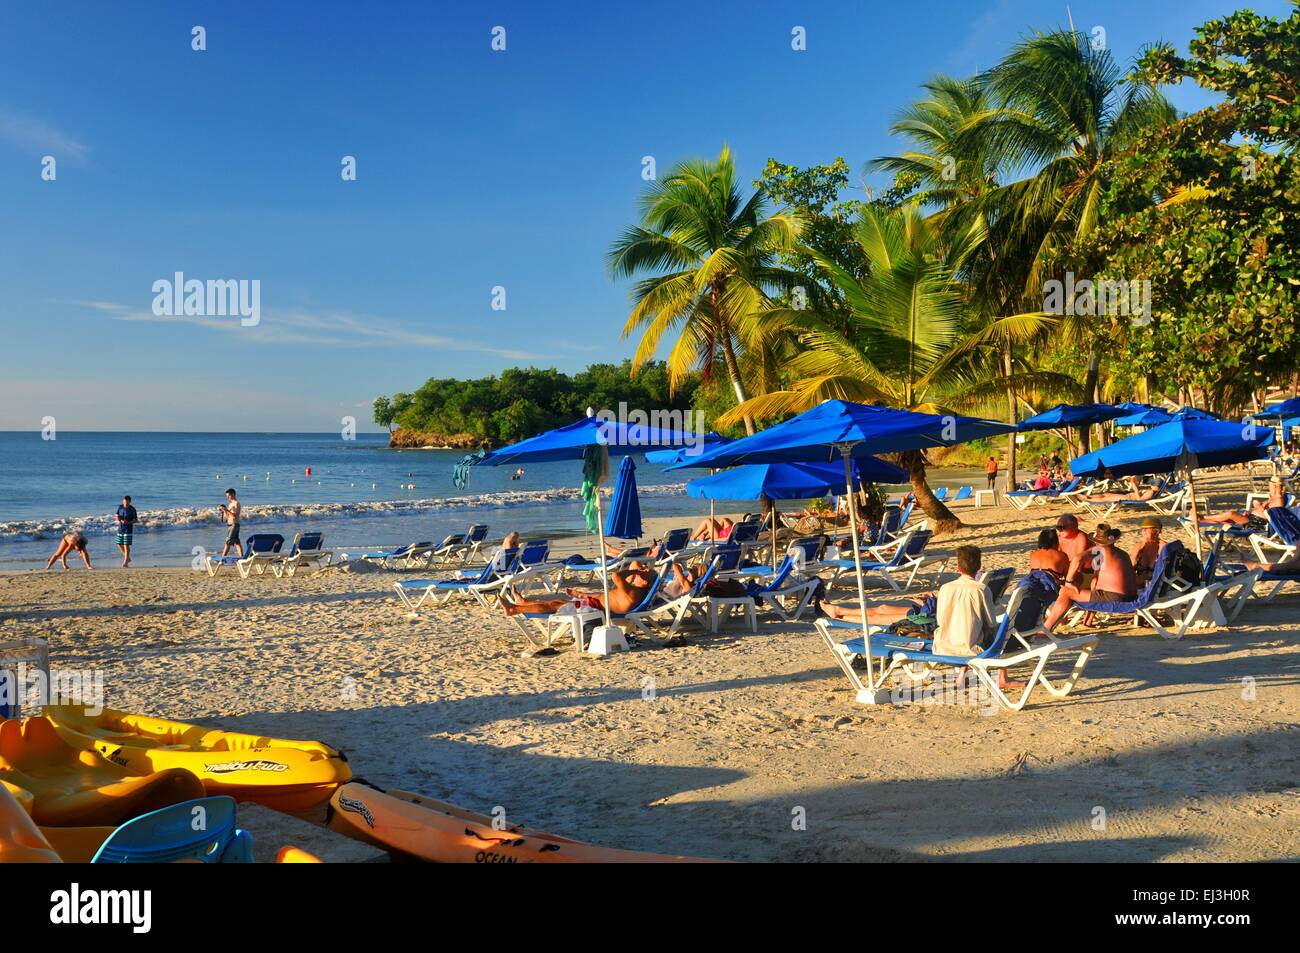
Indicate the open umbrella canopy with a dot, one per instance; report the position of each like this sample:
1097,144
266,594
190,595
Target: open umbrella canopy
817,435
1179,443
1071,415
1194,413
1282,411
680,454
791,481
624,520
569,442
1150,417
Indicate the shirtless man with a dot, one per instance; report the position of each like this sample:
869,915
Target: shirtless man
230,511
626,590
1115,581
1148,550
1074,543
1258,511
1048,555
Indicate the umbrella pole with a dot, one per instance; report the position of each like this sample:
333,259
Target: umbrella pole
772,517
604,571
1196,520
845,450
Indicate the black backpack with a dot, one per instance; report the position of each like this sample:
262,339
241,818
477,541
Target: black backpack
1184,568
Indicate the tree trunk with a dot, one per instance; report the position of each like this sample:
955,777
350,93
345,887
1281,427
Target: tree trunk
1011,418
944,520
737,385
1090,395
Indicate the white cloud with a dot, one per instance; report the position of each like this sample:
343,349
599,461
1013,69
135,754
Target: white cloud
327,329
39,136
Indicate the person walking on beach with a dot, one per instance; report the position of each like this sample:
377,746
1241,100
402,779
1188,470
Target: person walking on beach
991,472
230,513
126,520
71,542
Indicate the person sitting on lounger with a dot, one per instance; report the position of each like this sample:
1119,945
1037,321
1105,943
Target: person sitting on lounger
1135,492
627,588
713,529
965,621
1074,543
71,542
1048,556
1257,518
1148,550
1044,481
1115,580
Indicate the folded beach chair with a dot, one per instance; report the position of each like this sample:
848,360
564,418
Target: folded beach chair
1189,605
941,494
884,655
174,835
963,493
440,591
406,557
907,560
308,549
460,549
261,550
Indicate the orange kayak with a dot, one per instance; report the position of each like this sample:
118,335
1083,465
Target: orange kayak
438,832
72,787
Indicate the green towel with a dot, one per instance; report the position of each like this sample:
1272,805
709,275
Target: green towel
595,470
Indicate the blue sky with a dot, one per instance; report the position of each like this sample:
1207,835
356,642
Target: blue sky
474,169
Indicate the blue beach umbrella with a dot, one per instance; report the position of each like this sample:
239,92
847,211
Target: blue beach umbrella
1071,415
789,481
624,520
1150,417
665,457
838,428
1180,444
1194,413
573,441
1282,411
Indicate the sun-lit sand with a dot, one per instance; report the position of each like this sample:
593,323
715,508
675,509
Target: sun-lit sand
737,745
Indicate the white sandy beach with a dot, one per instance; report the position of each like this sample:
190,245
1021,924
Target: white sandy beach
716,748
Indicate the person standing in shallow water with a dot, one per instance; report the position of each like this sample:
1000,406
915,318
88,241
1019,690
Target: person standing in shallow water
126,520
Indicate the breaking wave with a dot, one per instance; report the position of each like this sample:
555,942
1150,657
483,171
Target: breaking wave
184,517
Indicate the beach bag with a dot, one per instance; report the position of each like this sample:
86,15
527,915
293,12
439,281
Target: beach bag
1185,568
726,588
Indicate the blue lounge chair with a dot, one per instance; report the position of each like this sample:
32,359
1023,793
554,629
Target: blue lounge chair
787,594
884,655
1023,499
460,549
308,549
439,591
1190,606
540,628
1285,539
169,836
407,557
260,551
908,558
678,610
1243,581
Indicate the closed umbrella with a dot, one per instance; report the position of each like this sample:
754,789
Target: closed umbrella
624,520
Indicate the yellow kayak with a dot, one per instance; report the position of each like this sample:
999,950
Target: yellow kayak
68,786
276,772
21,842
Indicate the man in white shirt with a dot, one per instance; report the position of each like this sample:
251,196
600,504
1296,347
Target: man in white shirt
965,622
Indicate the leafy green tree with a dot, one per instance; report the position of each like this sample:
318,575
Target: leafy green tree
710,255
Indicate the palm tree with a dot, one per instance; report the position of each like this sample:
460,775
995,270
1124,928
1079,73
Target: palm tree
907,344
1062,108
711,255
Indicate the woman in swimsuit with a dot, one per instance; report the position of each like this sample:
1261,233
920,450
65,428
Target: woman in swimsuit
71,542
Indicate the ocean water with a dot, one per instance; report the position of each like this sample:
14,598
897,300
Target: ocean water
361,494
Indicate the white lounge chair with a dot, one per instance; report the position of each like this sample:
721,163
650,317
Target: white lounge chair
308,550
